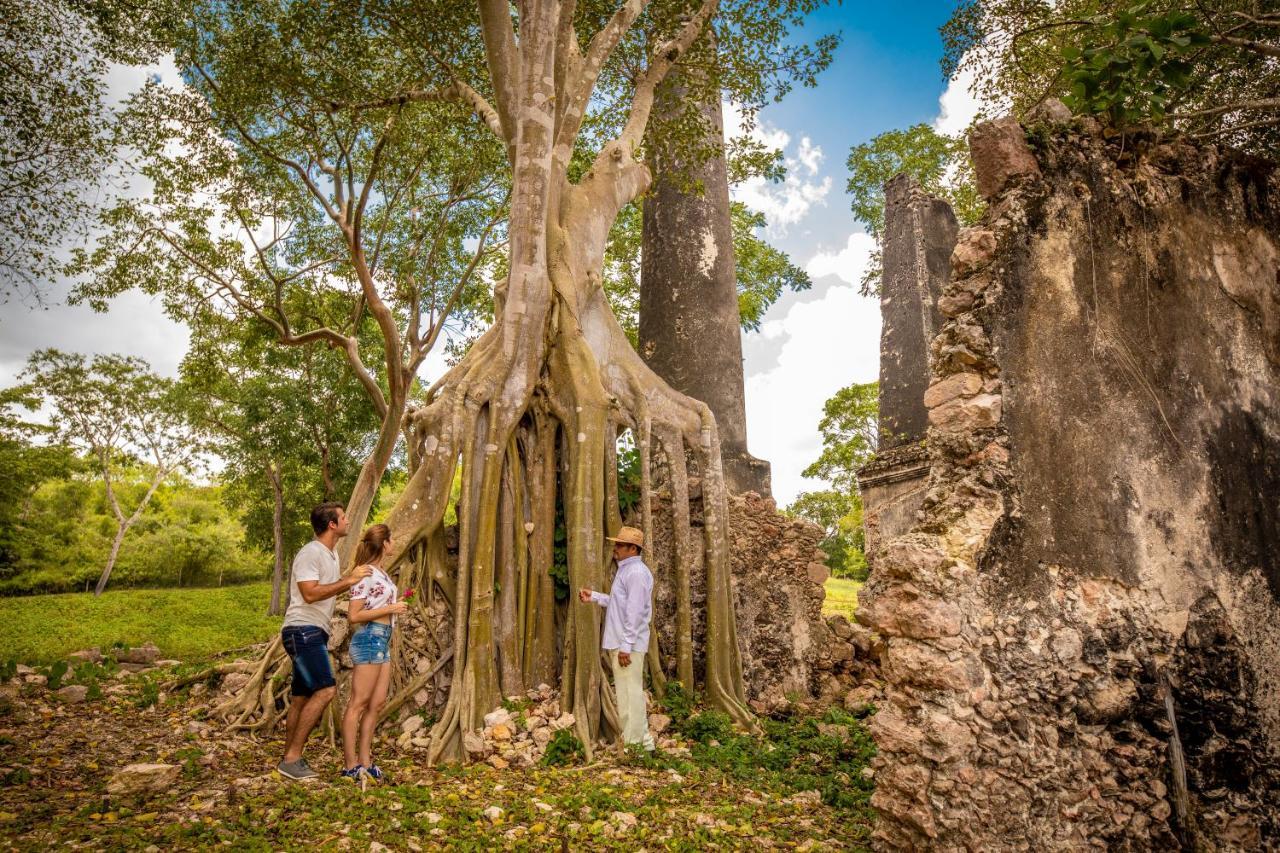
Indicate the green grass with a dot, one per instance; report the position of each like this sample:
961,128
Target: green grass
842,597
186,623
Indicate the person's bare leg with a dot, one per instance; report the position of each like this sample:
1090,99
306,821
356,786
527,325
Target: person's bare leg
296,704
363,682
307,719
370,722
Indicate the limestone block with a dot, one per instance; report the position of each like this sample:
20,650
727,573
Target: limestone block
956,385
981,412
1000,154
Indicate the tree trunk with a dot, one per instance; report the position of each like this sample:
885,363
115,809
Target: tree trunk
122,527
277,540
690,329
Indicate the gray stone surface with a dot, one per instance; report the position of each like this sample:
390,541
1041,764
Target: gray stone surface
919,234
1098,559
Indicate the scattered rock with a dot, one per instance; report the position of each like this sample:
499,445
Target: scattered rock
145,654
92,655
494,814
141,780
73,693
659,723
411,725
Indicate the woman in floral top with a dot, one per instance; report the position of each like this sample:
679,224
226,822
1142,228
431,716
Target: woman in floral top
372,614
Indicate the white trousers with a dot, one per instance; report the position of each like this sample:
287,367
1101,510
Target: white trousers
628,683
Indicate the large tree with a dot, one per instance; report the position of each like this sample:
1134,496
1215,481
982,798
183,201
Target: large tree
294,427
530,414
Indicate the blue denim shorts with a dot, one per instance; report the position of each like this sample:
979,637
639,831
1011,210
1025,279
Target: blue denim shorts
308,647
371,643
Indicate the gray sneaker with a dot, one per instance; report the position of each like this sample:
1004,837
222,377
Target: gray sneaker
296,769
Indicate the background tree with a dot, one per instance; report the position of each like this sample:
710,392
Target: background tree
938,162
1208,70
280,201
58,148
294,428
26,462
849,439
113,409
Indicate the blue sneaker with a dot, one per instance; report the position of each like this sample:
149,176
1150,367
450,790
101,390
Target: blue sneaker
354,773
374,772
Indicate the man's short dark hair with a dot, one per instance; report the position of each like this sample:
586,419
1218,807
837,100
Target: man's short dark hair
324,515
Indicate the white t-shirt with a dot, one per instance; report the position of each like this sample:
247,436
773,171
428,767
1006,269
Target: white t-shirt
377,590
314,562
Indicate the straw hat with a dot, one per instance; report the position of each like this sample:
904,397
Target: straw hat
629,536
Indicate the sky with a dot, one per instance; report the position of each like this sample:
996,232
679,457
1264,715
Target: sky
885,75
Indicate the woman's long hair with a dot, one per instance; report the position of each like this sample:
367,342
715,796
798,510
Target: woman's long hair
371,544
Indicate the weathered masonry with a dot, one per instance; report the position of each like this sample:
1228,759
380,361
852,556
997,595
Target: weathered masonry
1082,626
919,234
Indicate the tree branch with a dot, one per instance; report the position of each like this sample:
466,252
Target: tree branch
502,53
1247,44
663,59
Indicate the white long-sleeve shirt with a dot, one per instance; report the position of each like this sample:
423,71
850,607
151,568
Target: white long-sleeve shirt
628,607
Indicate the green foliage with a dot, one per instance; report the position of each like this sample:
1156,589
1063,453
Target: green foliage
189,624
938,162
148,692
849,435
825,754
8,669
678,702
55,672
1134,64
187,537
708,727
1205,69
563,748
58,142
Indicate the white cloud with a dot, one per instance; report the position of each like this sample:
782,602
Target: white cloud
848,263
785,203
958,105
826,344
810,155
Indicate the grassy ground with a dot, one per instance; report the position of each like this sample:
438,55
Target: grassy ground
842,597
799,786
185,623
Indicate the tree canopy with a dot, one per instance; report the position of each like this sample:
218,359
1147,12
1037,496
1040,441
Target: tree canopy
1208,70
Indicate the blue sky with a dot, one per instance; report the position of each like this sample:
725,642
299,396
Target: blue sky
885,75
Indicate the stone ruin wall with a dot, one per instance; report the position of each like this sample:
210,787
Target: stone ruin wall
790,651
1082,628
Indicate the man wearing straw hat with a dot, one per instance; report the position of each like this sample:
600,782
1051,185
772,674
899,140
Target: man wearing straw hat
628,609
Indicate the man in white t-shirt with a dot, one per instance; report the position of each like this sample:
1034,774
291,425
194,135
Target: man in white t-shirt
313,583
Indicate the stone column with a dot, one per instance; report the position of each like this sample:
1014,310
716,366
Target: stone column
690,333
920,232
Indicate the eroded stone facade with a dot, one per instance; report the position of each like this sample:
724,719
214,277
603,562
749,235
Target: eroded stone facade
1098,564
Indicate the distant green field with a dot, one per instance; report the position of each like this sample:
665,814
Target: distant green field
842,597
186,624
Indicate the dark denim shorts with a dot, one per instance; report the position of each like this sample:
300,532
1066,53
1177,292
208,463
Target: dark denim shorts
370,643
308,647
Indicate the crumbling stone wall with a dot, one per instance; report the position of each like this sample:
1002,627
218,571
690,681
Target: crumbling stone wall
790,652
1083,633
